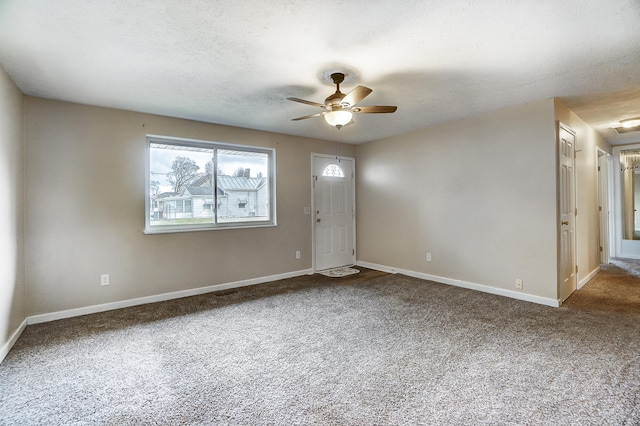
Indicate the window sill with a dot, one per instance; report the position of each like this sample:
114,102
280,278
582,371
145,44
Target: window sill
174,230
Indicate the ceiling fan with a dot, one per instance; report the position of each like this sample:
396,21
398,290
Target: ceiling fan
339,108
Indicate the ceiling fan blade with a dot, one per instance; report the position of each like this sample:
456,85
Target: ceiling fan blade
308,116
356,95
375,109
303,101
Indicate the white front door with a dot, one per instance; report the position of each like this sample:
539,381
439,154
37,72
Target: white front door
333,208
567,193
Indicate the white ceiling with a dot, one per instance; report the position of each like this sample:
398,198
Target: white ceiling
235,62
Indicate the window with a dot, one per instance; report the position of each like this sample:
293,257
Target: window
183,206
198,185
333,170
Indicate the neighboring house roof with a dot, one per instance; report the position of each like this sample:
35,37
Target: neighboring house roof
225,184
165,195
201,190
204,180
234,183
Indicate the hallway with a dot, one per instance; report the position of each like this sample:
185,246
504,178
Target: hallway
616,288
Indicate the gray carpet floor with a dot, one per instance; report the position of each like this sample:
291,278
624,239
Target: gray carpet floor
383,349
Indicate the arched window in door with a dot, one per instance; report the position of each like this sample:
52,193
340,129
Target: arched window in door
333,170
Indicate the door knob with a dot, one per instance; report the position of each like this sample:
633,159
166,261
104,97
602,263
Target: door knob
317,219
565,222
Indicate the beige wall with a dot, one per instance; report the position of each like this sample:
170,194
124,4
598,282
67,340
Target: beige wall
588,225
479,194
85,210
12,306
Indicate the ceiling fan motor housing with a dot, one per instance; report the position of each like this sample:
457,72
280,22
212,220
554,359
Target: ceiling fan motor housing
335,99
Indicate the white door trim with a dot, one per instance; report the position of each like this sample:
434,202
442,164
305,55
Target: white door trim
315,156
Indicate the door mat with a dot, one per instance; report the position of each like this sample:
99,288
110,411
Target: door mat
339,272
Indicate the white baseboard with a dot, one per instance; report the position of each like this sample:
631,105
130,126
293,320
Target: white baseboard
4,350
52,316
464,284
588,277
377,267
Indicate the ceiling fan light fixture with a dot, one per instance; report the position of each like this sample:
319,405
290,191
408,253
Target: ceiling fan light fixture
630,122
338,118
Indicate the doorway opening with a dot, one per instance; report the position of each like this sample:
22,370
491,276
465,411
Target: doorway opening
626,182
604,205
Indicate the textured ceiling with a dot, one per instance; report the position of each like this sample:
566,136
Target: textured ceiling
235,62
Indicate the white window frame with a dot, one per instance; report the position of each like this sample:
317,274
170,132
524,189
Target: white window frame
240,224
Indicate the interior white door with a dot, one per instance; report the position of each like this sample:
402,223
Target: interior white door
603,202
334,220
567,193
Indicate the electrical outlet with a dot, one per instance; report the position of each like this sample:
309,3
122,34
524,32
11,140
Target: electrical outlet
104,279
519,284
298,254
428,257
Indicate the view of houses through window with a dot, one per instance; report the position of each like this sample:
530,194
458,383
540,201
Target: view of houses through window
200,185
